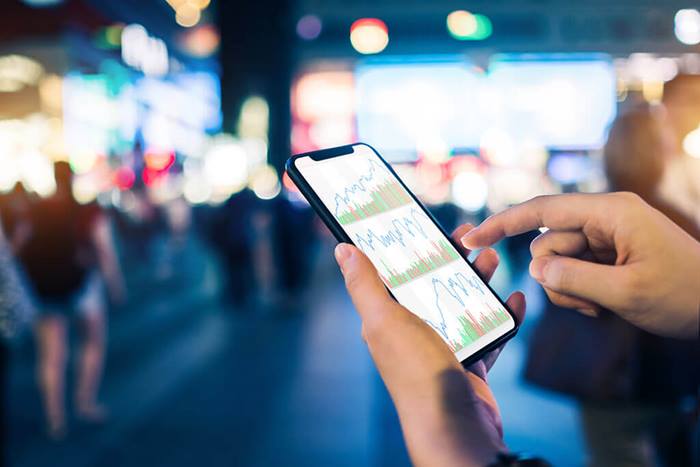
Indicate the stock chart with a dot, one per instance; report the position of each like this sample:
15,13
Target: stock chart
418,264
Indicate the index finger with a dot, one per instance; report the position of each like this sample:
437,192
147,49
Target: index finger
562,212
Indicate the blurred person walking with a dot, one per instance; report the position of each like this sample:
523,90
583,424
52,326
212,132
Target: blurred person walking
295,225
238,232
67,254
681,181
637,387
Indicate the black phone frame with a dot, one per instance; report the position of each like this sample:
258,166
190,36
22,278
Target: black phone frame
336,229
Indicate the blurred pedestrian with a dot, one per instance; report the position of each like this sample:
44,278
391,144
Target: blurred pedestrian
681,181
632,385
68,255
142,226
236,230
295,225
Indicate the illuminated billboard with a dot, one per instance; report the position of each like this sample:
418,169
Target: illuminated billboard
406,106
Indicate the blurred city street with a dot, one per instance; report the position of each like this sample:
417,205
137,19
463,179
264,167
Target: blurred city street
168,289
192,381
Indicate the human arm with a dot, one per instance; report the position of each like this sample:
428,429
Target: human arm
448,415
608,250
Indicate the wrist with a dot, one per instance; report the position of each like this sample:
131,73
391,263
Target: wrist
485,396
457,424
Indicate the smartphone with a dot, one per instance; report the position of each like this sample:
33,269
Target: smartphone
362,201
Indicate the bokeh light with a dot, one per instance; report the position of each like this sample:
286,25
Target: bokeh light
202,41
85,188
124,178
324,94
201,4
113,34
187,15
254,118
36,173
18,71
51,94
470,191
158,160
369,35
691,143
687,26
197,191
143,51
265,183
82,160
226,167
309,27
463,25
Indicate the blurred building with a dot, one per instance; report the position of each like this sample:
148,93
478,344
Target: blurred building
516,95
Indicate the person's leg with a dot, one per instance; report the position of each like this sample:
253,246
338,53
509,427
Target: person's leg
91,364
51,369
93,327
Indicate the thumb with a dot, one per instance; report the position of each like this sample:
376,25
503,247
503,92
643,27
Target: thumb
366,289
583,279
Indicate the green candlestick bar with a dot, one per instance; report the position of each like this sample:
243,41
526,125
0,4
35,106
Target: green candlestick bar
443,254
472,329
385,197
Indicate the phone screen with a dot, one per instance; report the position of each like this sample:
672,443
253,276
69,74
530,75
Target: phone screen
418,264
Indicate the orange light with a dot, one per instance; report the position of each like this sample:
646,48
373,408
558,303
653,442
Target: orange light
369,35
202,41
461,23
201,4
158,161
465,26
187,15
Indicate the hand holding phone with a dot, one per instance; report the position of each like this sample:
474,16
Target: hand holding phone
437,401
363,202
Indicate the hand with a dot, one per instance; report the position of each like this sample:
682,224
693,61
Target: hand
608,250
448,415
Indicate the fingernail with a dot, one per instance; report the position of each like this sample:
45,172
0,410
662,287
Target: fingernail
537,269
465,238
342,253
